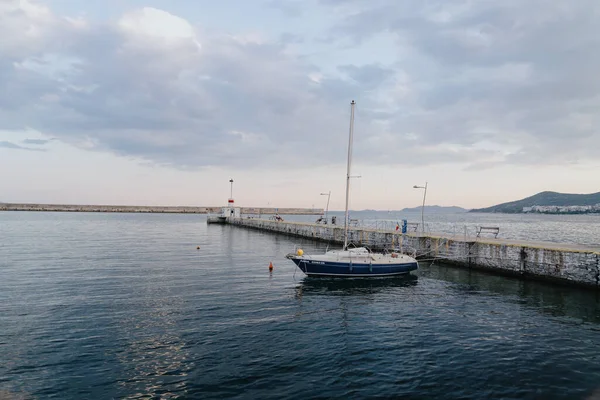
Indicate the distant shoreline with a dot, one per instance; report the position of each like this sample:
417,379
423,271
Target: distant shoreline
152,209
538,212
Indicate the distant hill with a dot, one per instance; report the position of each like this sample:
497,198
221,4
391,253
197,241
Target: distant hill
436,209
543,199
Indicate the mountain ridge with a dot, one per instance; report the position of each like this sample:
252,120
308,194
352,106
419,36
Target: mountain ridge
435,208
432,209
546,198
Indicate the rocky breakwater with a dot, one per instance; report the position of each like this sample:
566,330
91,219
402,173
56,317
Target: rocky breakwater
106,208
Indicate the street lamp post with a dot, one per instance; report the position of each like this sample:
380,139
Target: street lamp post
326,208
423,206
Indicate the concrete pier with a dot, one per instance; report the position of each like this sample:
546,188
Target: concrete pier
564,263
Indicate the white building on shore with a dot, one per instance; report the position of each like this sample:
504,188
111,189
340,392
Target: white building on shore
563,209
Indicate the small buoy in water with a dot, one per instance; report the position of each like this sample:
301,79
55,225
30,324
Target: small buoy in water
198,248
300,252
271,266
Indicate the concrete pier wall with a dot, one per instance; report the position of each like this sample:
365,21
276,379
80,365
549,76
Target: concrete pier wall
550,261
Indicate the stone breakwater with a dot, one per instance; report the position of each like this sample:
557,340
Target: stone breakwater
152,209
565,263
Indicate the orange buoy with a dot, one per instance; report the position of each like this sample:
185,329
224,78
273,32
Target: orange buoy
271,266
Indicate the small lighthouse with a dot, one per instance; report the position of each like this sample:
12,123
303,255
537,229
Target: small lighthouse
231,211
230,201
228,211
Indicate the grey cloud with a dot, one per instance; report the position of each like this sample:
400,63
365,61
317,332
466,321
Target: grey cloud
231,102
369,76
290,38
477,83
513,74
36,141
290,8
9,145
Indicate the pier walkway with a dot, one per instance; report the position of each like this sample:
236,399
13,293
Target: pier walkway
567,263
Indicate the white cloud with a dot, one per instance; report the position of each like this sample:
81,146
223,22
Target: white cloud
158,23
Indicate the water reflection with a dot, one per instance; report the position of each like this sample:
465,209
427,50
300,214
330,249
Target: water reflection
352,286
548,298
157,365
155,358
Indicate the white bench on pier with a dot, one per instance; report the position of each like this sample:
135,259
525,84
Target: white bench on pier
412,226
488,229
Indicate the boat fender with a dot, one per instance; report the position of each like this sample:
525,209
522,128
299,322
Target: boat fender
300,252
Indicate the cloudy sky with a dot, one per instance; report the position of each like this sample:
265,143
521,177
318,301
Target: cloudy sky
163,101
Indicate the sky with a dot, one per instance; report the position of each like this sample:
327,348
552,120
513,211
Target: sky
156,102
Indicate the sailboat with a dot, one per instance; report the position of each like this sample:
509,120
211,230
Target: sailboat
355,261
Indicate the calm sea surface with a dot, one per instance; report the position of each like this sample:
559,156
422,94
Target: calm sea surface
576,229
100,306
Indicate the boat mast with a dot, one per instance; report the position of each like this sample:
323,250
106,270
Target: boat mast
348,173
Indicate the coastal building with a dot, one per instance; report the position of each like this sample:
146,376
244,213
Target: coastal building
563,209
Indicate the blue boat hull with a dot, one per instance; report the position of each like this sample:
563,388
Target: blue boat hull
326,268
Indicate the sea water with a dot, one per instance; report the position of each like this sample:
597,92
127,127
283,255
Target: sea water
100,306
